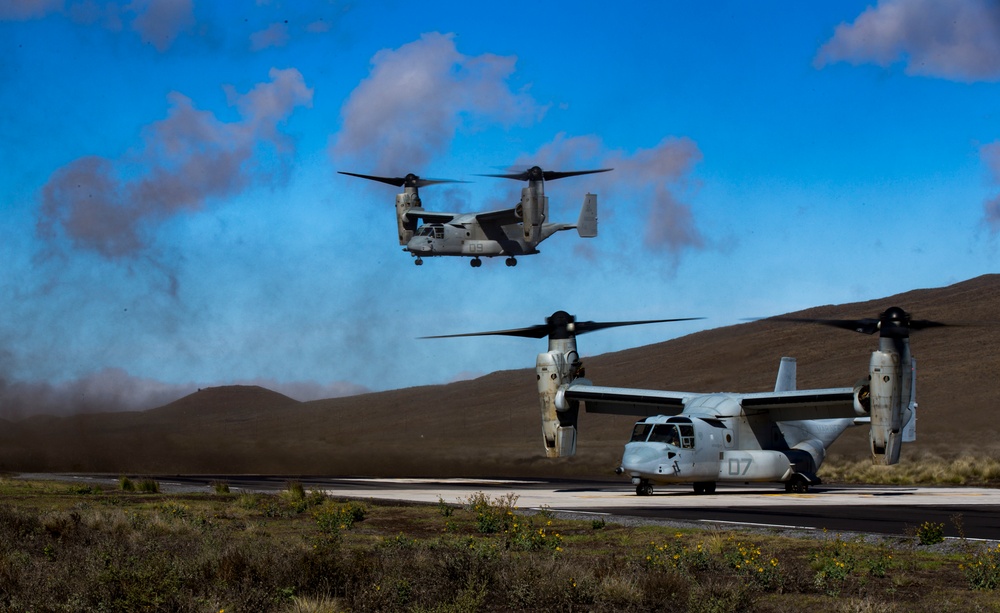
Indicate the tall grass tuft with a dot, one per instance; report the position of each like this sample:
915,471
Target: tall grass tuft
148,486
295,491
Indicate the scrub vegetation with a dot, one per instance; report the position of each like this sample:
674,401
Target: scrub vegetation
918,469
71,548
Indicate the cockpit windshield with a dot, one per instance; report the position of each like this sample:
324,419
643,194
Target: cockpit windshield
640,432
671,434
431,230
665,433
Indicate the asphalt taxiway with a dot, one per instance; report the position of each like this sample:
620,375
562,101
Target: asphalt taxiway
889,510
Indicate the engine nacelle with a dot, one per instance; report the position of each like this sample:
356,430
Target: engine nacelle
405,224
534,207
889,409
559,417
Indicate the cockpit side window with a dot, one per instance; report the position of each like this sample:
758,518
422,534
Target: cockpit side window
438,232
640,432
687,436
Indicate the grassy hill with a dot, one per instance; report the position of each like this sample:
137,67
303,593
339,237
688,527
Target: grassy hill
490,426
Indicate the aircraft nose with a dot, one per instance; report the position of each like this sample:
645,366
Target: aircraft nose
415,246
639,455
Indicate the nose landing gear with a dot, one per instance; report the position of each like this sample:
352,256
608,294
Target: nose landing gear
511,262
419,262
476,262
644,489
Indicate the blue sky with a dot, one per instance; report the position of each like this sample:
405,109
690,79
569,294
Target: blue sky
172,216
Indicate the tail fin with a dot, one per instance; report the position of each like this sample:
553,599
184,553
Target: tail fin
586,226
786,376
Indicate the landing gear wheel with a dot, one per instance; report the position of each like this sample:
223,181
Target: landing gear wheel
419,262
704,487
644,489
476,262
796,485
511,262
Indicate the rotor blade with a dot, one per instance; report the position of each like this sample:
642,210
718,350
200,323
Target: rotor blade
923,324
864,326
540,331
410,180
592,326
543,330
535,174
894,321
552,175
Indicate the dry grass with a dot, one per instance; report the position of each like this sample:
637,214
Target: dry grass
922,469
62,548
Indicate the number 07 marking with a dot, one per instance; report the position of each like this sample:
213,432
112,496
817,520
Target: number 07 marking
739,466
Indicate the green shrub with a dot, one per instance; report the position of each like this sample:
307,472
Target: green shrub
982,568
492,515
331,518
833,563
524,536
751,565
675,554
930,533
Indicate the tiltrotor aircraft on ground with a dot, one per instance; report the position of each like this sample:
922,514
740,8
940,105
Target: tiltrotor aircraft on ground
688,437
507,232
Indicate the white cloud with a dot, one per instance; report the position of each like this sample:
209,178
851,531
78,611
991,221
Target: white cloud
990,154
108,206
160,22
957,40
20,10
417,97
654,179
275,35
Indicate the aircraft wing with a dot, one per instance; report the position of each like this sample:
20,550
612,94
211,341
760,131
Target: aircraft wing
627,400
497,218
797,405
780,406
430,216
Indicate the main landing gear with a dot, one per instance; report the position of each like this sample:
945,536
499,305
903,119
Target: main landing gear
645,488
704,487
476,262
511,262
797,485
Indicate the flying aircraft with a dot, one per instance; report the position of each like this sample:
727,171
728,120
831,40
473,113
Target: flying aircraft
702,439
506,232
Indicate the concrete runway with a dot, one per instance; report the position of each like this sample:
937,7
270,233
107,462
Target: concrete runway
864,509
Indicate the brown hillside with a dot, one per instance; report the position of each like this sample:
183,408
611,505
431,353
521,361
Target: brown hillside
489,426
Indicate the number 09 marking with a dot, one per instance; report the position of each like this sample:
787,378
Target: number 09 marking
739,466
